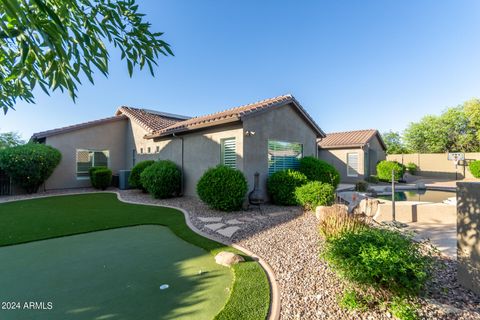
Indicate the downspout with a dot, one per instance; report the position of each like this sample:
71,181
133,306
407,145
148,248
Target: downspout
181,166
317,146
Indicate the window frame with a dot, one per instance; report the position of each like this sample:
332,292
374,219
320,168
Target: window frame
93,161
355,174
222,152
301,155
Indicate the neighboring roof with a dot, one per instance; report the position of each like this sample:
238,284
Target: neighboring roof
350,139
236,114
150,120
48,133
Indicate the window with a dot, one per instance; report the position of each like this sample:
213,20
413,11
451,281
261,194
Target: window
283,155
141,150
352,164
89,158
229,152
148,150
158,149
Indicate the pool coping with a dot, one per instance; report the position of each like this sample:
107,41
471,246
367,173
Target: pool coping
274,308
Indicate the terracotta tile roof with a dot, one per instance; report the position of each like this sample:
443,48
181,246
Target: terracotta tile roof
150,120
349,139
48,133
235,114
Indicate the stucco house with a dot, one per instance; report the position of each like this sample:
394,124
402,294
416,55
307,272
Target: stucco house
354,154
264,137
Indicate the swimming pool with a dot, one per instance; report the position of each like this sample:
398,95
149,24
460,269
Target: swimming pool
419,195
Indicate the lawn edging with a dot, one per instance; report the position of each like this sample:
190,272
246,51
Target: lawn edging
274,305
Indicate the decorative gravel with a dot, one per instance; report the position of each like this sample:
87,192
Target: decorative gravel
289,241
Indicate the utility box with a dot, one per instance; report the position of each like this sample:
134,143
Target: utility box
123,179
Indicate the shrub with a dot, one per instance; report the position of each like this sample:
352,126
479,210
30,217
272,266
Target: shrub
101,177
134,178
361,186
281,186
351,300
381,258
315,193
318,170
372,179
29,165
402,309
92,170
384,170
162,179
411,168
474,168
336,221
222,188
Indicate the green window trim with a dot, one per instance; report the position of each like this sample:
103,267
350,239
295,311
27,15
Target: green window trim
283,155
228,156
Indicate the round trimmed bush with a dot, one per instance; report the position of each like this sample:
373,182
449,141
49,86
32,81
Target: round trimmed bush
222,188
281,186
314,194
474,168
101,177
318,170
134,178
384,170
162,179
29,165
411,168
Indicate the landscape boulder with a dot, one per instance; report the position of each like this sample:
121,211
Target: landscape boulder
228,259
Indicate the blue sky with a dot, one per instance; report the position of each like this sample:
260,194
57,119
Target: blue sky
351,64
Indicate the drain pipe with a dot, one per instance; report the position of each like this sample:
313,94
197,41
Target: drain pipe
181,166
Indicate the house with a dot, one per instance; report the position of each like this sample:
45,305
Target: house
264,137
354,154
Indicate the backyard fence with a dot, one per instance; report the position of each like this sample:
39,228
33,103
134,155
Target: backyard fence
5,184
437,165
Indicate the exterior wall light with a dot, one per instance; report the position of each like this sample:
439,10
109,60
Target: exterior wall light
249,133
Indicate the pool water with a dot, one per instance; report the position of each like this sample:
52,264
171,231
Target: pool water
419,195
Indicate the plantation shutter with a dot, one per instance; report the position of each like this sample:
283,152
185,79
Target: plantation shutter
352,164
283,155
229,152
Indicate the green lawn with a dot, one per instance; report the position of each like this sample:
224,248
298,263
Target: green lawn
45,218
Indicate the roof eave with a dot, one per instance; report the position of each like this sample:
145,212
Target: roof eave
188,129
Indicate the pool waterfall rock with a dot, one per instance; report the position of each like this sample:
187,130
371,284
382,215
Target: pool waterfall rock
228,259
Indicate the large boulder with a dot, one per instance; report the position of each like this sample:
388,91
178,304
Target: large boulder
228,259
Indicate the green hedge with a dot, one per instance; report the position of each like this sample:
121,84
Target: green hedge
315,193
281,186
474,168
29,165
223,188
134,178
162,179
411,168
101,177
384,170
318,170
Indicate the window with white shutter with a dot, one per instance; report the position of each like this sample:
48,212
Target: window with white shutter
352,164
229,152
283,155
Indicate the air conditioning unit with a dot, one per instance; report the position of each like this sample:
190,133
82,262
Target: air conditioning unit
123,179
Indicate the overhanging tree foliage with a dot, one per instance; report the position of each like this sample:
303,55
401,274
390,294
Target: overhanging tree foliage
51,43
10,139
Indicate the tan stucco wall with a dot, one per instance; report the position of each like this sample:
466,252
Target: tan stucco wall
468,235
437,165
367,159
107,136
338,158
202,150
283,124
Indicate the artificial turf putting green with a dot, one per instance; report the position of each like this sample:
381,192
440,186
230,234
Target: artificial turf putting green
114,274
45,218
